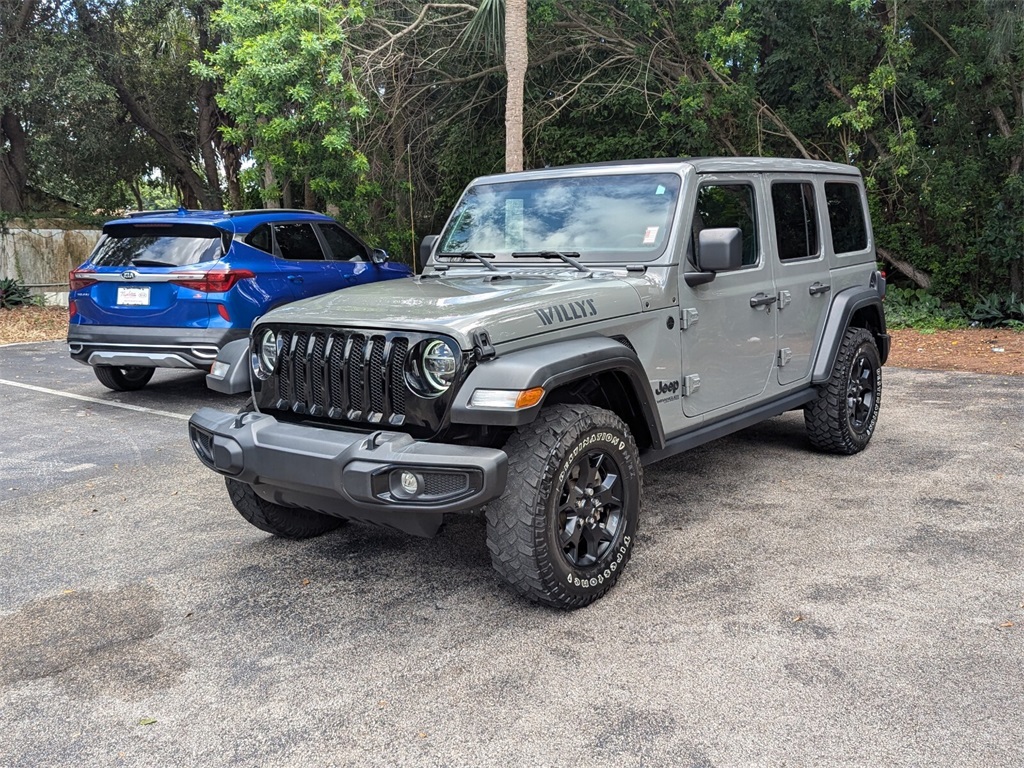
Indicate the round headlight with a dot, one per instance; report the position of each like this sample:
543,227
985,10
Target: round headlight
438,366
264,360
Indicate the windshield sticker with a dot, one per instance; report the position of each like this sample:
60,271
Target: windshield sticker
563,313
660,190
650,235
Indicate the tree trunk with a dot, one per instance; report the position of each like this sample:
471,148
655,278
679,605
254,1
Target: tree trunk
308,195
271,200
286,194
919,278
516,60
13,163
207,129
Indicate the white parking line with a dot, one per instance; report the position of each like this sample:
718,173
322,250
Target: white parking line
86,398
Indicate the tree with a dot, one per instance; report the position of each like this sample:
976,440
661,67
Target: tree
288,86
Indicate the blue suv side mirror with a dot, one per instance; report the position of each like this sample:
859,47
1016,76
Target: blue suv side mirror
379,256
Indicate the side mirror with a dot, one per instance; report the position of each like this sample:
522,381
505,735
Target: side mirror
426,246
378,256
720,250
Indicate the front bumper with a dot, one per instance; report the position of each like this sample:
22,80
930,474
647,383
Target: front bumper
345,474
124,346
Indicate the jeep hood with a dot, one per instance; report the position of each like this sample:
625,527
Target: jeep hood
509,304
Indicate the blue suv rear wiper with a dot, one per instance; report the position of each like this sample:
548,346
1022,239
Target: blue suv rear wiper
152,263
481,257
569,258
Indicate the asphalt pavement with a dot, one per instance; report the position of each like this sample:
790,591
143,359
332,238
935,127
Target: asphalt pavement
781,608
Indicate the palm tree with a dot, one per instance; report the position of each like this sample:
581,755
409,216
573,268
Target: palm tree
501,25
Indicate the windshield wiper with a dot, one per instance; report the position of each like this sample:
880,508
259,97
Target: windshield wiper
569,258
152,263
481,257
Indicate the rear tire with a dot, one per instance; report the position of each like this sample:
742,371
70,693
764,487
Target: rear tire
565,527
843,417
284,522
123,379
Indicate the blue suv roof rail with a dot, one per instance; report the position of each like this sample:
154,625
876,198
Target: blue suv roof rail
137,214
251,211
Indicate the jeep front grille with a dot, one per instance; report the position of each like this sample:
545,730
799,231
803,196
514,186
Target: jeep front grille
342,375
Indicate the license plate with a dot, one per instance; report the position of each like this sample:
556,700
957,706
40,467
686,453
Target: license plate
133,295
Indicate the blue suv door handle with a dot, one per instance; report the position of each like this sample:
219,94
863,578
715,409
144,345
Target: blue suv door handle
295,278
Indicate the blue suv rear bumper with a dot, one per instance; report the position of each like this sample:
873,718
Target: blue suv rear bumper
123,346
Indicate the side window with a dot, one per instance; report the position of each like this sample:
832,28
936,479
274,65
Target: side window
846,217
727,205
796,221
260,238
341,245
298,242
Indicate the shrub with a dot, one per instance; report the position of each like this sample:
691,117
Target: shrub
995,310
13,293
917,308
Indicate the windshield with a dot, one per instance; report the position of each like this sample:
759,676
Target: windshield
600,218
169,245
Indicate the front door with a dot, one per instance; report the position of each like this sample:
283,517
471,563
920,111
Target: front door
728,340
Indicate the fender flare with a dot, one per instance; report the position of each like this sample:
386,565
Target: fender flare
847,303
236,380
550,366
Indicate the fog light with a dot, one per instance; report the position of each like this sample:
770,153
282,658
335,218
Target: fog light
410,482
220,370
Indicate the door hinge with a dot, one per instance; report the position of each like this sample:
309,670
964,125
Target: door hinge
785,355
785,297
688,317
691,384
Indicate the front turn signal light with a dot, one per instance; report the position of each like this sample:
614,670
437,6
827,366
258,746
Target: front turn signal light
512,399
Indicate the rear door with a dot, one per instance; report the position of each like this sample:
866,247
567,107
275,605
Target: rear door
134,267
802,274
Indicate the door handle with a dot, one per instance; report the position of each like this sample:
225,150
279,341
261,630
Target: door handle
817,288
295,278
762,300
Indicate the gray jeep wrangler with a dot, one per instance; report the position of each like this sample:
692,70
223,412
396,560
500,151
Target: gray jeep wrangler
570,325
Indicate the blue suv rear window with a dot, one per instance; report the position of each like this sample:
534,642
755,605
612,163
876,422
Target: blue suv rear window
156,245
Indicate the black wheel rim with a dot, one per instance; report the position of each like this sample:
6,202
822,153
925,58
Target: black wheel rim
589,509
861,393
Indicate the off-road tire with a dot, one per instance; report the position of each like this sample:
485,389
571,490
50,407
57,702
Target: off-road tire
284,522
844,416
123,379
528,527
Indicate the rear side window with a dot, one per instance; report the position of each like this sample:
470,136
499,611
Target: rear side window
796,221
342,246
728,205
261,238
298,242
846,217
154,245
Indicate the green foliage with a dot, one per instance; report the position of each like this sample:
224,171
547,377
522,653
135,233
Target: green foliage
995,310
287,82
13,293
917,308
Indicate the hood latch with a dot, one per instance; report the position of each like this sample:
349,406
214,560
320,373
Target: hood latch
482,347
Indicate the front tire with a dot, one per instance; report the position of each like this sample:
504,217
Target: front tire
284,522
126,379
843,417
566,525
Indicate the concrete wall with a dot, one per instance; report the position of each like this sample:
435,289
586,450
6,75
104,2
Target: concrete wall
40,254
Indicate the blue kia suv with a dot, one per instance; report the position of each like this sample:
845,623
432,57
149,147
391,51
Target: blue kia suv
180,289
